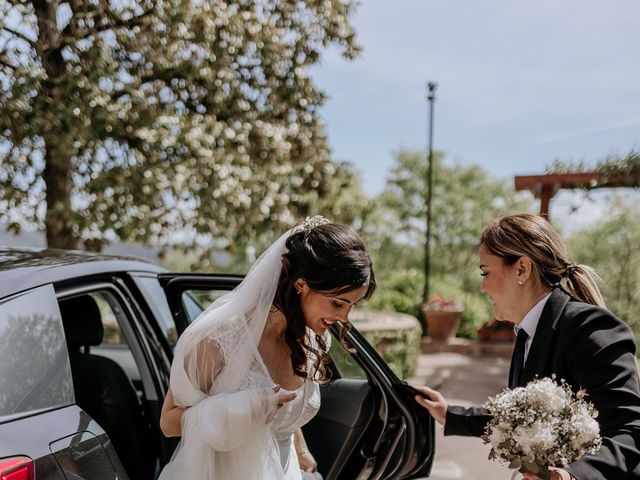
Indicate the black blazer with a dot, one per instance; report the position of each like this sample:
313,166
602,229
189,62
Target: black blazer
592,349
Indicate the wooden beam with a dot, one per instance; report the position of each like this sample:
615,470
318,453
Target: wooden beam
535,183
545,198
545,187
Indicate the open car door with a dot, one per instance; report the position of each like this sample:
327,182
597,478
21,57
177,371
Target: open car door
369,425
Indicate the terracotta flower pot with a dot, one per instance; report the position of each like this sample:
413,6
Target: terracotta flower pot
442,324
496,331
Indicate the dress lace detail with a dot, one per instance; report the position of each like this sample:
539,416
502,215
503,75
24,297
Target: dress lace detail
298,412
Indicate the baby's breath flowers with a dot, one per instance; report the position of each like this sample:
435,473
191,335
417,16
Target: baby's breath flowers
540,425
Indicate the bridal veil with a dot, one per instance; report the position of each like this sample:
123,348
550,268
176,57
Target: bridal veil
225,429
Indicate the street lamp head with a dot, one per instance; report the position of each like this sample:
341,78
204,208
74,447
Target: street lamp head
432,86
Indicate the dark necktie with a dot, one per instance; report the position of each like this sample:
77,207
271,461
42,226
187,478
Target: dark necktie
517,360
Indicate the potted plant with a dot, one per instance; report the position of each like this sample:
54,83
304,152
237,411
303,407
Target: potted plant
443,317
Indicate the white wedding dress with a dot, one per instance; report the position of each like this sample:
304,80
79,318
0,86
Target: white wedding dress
288,419
243,434
232,428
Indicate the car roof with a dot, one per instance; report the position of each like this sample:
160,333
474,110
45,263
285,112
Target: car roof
25,268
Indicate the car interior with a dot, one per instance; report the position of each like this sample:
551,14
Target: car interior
104,390
337,431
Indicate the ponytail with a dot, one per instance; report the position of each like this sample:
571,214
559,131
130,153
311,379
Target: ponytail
529,235
580,281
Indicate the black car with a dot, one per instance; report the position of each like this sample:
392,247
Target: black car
86,345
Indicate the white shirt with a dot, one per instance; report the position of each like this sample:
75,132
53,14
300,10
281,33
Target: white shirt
530,323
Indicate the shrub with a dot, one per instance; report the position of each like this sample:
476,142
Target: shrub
401,291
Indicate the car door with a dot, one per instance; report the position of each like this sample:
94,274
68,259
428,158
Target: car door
369,425
41,429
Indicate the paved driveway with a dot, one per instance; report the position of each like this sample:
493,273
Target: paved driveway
463,380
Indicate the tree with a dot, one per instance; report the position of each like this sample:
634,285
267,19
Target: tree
465,200
158,120
611,247
342,201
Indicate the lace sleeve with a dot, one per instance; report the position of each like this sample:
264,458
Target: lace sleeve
224,420
204,363
192,381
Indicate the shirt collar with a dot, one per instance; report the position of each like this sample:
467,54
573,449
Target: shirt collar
530,321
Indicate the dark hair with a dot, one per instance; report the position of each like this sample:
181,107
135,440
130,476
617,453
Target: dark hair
330,258
529,235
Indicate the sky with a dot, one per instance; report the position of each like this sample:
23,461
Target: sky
520,84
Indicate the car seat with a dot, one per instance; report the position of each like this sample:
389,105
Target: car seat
104,391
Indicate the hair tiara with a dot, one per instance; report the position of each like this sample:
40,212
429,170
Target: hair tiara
312,222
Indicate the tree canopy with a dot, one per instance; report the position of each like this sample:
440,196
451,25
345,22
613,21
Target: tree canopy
611,247
465,199
159,119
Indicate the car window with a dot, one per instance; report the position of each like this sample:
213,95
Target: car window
34,370
196,301
157,301
344,362
112,331
114,345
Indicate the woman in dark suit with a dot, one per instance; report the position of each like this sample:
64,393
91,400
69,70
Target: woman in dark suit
563,329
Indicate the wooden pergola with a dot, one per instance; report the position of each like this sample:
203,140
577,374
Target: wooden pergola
545,187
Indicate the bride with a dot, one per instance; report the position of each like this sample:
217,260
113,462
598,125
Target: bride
245,373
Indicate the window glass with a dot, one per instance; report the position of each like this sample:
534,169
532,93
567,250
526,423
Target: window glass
34,370
196,301
112,332
344,362
114,345
157,301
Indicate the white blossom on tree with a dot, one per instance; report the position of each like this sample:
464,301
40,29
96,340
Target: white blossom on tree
137,120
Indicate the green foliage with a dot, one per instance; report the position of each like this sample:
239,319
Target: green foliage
167,121
618,165
611,247
465,200
204,260
401,291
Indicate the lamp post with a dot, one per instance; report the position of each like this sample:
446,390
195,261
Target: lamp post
431,96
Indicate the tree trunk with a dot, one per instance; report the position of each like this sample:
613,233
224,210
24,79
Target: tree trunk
58,220
58,168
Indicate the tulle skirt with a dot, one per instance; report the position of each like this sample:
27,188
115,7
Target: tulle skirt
261,458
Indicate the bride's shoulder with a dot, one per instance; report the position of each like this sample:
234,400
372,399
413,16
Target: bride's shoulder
225,332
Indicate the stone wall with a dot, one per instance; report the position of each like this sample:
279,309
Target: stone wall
395,336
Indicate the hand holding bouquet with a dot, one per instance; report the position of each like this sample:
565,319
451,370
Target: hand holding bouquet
541,425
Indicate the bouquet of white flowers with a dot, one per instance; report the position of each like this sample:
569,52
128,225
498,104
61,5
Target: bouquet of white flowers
541,425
